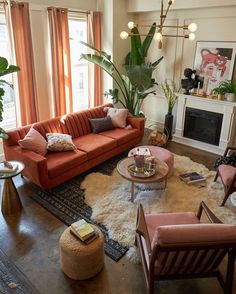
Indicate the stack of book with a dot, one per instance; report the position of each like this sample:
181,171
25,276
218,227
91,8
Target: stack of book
84,231
192,178
8,168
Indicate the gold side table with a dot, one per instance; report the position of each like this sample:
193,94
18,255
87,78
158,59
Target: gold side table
10,198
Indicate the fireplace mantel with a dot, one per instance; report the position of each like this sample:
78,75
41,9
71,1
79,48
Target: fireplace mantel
228,130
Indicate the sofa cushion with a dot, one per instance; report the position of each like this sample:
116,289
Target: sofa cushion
101,124
118,116
34,141
121,135
59,162
94,144
59,142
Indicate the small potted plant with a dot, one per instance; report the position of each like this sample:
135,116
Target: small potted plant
171,98
227,87
220,92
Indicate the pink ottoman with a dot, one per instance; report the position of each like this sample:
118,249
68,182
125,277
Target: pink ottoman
161,154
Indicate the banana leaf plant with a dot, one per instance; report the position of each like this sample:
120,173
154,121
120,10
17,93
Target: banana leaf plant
5,69
138,83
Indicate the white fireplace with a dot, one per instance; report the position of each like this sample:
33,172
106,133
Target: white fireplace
227,127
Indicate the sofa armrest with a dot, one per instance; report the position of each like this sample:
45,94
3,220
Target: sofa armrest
136,122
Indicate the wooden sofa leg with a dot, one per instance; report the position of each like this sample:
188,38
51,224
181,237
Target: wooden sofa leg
230,272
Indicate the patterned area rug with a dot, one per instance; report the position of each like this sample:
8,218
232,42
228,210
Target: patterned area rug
12,280
67,202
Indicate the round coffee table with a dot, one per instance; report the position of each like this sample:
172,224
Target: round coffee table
160,175
10,198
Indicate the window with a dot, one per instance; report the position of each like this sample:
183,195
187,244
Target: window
9,112
79,68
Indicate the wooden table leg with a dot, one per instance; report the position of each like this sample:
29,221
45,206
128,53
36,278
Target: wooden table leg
132,191
10,198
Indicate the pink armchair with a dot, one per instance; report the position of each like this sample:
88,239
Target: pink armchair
227,174
178,245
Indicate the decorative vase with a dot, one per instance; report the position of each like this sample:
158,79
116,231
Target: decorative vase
168,125
220,96
231,97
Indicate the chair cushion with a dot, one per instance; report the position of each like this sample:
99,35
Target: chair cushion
94,144
164,219
60,162
227,173
121,135
195,233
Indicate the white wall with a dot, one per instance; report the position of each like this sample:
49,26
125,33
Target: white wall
214,24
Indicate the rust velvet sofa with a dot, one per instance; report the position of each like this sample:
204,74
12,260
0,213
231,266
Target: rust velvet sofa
57,167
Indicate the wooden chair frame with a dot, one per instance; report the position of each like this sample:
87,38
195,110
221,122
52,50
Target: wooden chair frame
231,188
149,266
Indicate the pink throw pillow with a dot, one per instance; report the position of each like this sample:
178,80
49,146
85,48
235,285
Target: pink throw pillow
34,141
118,116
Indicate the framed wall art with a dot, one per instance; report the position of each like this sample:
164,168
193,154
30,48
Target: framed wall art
215,62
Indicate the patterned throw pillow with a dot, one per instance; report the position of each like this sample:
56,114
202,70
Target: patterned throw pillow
101,124
34,141
59,142
118,116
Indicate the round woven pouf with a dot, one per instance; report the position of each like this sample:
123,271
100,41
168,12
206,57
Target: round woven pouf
78,260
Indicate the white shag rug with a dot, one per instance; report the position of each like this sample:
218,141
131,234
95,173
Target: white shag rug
109,197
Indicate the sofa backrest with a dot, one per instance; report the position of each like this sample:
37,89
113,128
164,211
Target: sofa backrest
76,124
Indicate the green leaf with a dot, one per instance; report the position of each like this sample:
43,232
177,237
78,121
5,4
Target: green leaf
103,53
136,44
3,83
155,64
10,69
3,64
148,40
100,61
140,76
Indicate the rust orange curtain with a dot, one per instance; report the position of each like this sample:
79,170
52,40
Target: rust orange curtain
95,72
19,12
61,64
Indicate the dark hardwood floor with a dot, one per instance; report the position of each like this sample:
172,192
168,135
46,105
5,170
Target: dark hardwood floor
31,241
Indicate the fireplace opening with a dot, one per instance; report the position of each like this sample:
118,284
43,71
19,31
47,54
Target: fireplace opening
203,125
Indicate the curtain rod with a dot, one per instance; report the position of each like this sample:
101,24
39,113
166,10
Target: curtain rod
70,10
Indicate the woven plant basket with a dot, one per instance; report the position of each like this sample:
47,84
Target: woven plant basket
157,138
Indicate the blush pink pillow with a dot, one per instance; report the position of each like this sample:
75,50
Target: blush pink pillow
118,116
34,141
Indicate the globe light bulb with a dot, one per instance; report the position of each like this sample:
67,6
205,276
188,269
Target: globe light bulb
124,35
157,36
131,25
192,27
192,36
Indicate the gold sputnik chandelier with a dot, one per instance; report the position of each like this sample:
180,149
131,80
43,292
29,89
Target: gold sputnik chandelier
188,30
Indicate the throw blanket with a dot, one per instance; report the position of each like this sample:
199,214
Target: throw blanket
226,160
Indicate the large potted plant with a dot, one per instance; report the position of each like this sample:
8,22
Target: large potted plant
137,83
5,69
171,98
